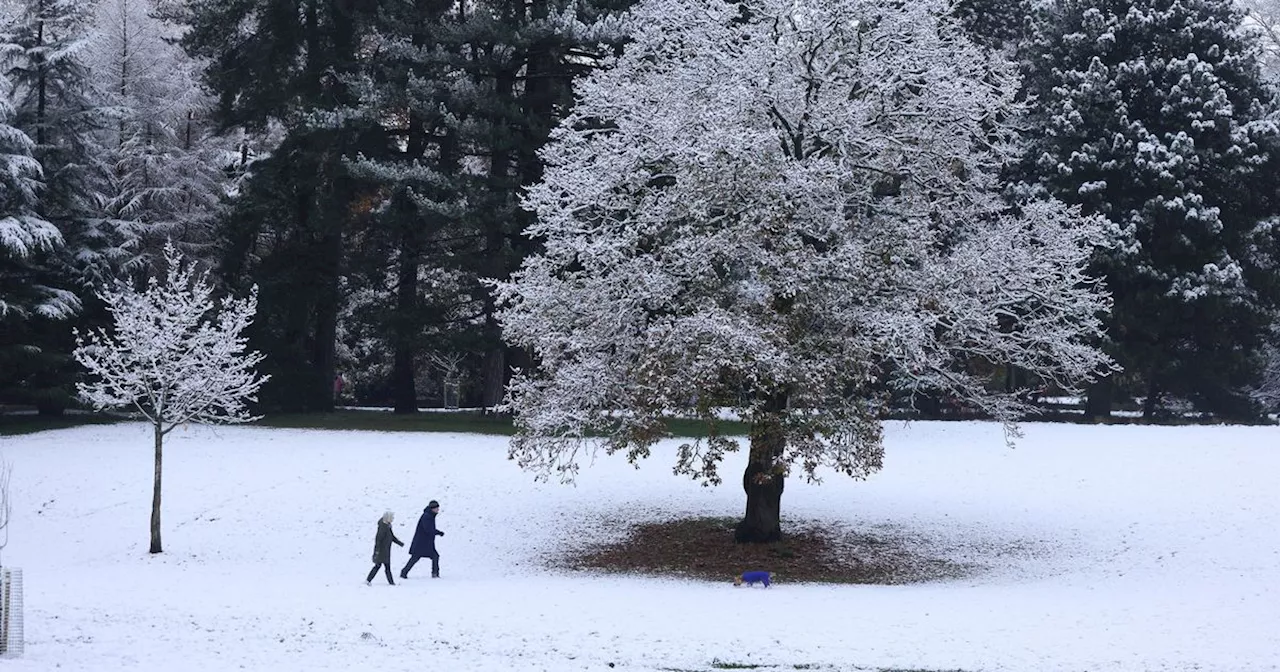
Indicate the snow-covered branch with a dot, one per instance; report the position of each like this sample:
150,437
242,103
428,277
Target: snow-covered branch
176,354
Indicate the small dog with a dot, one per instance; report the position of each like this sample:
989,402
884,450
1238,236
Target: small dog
752,578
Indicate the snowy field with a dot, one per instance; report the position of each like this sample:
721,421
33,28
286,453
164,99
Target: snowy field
1109,548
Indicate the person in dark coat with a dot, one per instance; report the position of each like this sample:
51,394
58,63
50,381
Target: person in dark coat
424,541
382,548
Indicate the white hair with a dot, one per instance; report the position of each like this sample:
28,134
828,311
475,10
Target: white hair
387,517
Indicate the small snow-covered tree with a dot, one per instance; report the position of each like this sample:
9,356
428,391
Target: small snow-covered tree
789,208
176,356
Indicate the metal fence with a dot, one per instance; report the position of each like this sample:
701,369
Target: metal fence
11,613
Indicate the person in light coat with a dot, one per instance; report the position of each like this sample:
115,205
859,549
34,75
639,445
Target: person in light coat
382,548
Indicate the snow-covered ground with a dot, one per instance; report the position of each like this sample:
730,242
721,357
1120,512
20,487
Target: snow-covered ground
1110,548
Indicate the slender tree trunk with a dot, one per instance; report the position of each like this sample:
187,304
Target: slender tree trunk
494,368
763,478
1152,402
402,379
501,189
155,493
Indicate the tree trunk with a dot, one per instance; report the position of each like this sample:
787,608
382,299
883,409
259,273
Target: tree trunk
331,217
1151,403
502,192
763,478
402,380
494,367
1097,405
155,494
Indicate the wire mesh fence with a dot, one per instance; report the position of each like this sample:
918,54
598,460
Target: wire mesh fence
11,635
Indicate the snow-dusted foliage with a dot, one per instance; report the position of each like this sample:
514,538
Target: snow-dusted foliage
176,355
165,177
56,107
790,209
1262,18
24,234
1153,114
1266,391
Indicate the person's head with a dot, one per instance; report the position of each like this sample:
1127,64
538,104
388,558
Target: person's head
433,506
387,517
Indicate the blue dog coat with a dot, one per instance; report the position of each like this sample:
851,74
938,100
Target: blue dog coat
751,578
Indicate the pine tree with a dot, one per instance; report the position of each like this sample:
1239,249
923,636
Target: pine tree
1153,114
475,90
534,51
999,24
56,107
289,63
28,293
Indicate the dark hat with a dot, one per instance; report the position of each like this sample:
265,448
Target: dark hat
433,504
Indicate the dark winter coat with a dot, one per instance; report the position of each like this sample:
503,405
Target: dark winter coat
382,543
424,539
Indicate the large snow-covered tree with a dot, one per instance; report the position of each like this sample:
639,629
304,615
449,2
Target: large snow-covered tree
176,355
1154,114
789,209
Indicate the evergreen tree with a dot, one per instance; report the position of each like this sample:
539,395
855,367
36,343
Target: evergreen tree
535,51
410,128
417,71
27,294
288,63
1154,115
998,24
474,91
165,172
55,106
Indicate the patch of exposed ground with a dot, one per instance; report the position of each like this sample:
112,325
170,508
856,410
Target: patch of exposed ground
704,548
